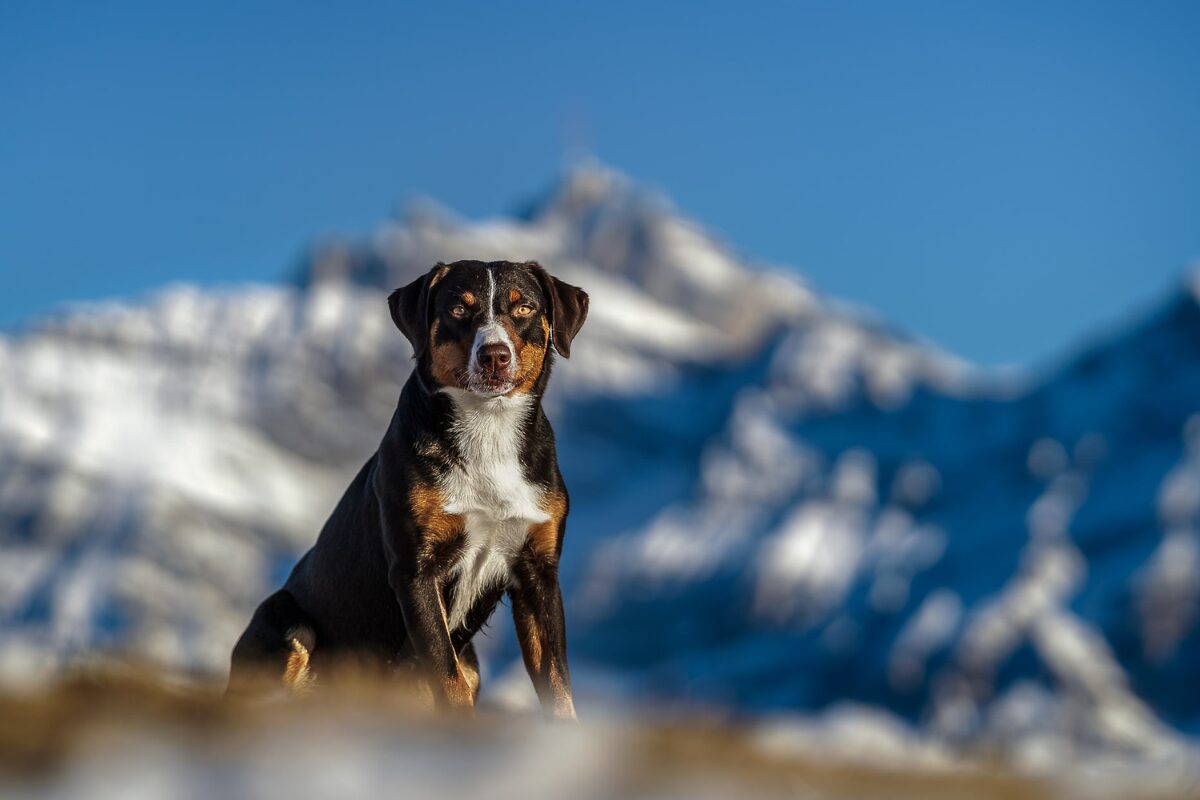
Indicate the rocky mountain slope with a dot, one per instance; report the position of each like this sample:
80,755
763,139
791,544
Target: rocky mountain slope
779,504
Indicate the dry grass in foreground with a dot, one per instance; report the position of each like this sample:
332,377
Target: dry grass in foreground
123,735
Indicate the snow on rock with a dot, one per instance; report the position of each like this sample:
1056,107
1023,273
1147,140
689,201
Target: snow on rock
778,503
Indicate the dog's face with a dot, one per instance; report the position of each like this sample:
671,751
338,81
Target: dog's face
486,327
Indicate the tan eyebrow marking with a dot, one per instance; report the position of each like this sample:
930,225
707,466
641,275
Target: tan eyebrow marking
468,298
442,270
513,295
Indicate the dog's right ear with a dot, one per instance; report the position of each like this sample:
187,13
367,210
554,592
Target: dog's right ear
410,308
568,307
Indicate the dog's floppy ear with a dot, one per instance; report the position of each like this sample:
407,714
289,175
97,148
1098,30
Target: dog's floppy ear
567,306
410,308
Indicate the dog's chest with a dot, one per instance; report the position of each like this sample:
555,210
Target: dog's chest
488,489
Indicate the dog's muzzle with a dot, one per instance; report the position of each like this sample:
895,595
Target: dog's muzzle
491,370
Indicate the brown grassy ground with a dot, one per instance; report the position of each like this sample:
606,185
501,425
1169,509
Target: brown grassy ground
89,735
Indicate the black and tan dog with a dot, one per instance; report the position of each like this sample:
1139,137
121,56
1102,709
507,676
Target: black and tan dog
462,502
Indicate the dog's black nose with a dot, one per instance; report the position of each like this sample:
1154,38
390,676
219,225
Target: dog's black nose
494,357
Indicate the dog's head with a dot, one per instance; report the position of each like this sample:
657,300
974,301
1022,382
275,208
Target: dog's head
487,327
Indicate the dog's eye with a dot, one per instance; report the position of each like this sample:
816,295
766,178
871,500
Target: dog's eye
523,310
459,311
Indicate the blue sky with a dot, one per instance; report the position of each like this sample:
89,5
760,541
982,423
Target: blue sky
1002,178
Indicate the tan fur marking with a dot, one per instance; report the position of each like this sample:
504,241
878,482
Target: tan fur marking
564,703
442,269
459,691
449,362
437,527
543,536
530,357
468,298
296,675
471,676
514,295
529,634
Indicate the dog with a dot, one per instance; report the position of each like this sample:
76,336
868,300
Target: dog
461,503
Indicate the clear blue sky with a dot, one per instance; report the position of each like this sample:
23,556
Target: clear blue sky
1002,178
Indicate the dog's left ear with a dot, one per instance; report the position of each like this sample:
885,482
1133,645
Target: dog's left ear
567,306
410,308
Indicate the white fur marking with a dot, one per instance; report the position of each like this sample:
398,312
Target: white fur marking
490,492
491,309
490,332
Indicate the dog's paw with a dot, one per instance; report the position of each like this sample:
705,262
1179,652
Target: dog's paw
460,692
564,710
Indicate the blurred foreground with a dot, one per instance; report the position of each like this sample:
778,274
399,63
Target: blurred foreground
131,736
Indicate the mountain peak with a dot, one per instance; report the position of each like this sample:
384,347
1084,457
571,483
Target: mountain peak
587,185
599,229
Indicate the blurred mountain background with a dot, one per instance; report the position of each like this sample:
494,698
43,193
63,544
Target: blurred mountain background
913,486
780,502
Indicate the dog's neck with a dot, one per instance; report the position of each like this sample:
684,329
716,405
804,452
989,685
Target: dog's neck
486,422
482,405
489,430
452,425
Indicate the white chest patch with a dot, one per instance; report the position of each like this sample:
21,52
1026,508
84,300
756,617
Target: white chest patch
490,492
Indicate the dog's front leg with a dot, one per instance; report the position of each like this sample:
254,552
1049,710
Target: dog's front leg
419,594
420,599
541,628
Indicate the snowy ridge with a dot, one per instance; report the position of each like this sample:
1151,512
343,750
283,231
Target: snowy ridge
778,505
974,560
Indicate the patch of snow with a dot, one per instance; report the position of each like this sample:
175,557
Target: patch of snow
807,568
930,629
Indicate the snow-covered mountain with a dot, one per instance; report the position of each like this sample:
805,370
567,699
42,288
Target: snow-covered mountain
779,504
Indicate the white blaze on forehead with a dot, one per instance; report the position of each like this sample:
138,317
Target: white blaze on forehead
491,331
491,306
